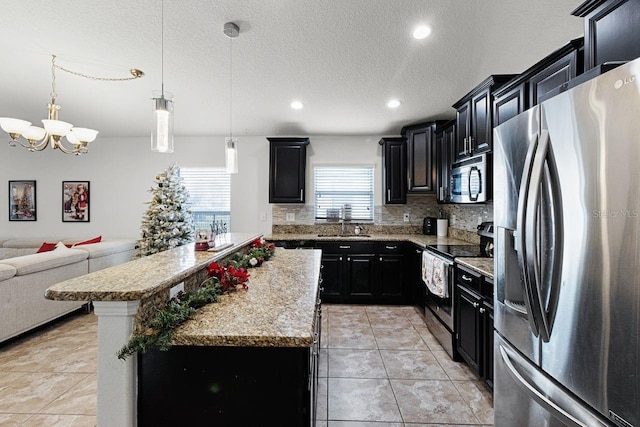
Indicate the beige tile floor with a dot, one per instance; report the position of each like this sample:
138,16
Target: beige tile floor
379,367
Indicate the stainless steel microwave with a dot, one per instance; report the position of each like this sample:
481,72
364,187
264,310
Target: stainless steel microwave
470,180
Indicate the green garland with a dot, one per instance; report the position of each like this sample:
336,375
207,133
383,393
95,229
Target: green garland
179,309
184,305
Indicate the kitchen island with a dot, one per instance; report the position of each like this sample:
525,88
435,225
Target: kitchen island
277,312
250,359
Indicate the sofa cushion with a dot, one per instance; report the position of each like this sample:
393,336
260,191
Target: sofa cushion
28,243
28,264
105,248
13,252
7,271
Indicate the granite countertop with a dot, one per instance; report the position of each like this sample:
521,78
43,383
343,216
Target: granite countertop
278,309
418,239
481,265
143,277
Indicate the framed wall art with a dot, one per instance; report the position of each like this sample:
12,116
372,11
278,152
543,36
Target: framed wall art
22,200
75,201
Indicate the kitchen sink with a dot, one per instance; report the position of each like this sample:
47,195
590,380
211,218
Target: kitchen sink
344,235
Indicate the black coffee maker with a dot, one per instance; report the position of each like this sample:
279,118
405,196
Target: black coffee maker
429,226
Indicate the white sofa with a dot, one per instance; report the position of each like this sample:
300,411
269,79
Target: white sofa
25,275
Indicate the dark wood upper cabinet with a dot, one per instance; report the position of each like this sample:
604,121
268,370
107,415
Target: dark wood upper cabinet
537,82
287,169
445,153
474,120
394,170
611,30
421,156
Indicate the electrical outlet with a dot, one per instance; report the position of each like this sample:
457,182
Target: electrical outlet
479,220
453,219
291,216
263,216
174,290
406,217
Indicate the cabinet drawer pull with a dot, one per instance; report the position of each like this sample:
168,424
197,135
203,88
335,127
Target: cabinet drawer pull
482,310
380,259
476,305
418,251
345,247
391,247
467,278
340,258
348,258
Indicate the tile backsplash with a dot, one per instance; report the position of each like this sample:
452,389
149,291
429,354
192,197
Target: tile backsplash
391,217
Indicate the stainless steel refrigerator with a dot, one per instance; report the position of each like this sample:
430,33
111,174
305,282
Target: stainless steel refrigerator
567,258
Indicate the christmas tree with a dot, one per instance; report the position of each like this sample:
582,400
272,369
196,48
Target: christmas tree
168,222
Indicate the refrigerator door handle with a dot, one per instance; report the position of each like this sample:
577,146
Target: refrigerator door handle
547,394
521,236
531,240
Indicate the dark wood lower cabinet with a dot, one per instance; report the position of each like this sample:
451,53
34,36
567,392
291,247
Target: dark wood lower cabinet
198,386
364,272
474,322
468,331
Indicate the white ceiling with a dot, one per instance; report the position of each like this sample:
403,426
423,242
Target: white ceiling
344,59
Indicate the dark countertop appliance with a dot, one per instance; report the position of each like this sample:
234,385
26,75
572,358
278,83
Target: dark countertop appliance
439,312
429,226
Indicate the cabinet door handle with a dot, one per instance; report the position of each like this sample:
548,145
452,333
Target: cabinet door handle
418,251
467,278
348,258
482,310
476,305
388,195
391,247
345,247
340,258
380,258
301,193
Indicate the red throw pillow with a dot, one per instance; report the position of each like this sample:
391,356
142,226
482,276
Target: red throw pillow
90,241
47,247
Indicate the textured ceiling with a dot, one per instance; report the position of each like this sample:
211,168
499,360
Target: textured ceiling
344,59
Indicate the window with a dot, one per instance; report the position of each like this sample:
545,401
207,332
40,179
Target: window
210,195
335,186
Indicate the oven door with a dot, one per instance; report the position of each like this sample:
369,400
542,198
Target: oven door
443,307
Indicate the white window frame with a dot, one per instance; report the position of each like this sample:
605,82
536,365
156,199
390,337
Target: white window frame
209,195
361,199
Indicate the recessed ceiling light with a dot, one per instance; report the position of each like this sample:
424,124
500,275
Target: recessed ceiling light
394,103
297,105
421,32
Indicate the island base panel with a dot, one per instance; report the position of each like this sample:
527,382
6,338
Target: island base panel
190,385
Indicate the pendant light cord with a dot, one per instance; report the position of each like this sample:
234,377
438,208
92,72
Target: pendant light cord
230,87
162,47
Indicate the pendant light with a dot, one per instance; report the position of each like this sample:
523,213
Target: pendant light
162,132
232,31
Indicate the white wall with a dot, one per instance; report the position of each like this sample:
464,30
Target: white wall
121,170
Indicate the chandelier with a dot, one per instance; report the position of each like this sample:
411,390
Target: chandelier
54,130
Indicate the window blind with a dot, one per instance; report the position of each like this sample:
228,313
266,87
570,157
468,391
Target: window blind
335,186
209,194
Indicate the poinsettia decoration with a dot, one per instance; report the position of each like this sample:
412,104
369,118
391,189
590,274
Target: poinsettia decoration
258,252
230,277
